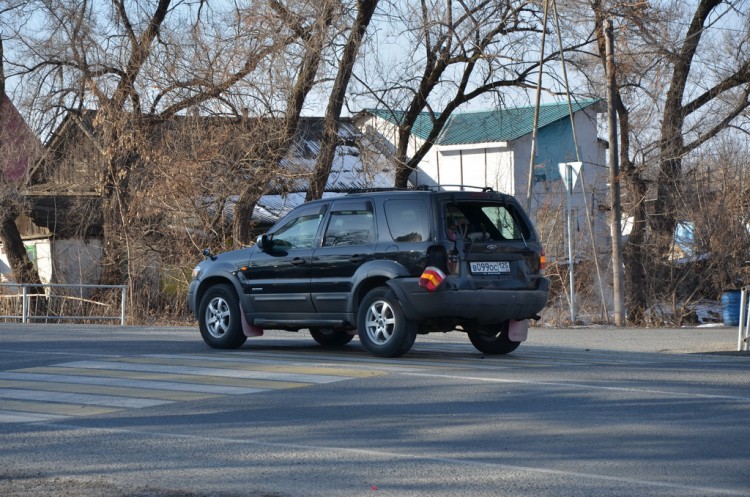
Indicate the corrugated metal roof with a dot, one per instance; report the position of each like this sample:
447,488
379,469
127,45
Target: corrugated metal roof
488,126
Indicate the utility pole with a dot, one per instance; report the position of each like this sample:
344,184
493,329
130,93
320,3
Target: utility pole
614,179
534,130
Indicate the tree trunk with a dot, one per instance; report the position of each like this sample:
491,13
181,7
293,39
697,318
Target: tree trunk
22,267
243,214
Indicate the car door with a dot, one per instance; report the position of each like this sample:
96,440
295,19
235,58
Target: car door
347,243
277,280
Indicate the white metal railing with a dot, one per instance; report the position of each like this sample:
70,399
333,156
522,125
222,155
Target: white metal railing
52,301
743,335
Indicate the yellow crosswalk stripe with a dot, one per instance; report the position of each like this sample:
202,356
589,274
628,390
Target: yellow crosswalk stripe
170,377
308,370
90,388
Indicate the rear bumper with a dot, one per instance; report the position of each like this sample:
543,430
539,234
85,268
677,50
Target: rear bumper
482,305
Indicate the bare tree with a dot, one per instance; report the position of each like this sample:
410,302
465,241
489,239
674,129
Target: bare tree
365,11
459,52
130,62
708,86
311,30
729,86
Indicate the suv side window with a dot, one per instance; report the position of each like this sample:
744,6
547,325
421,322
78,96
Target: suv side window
351,223
408,220
300,231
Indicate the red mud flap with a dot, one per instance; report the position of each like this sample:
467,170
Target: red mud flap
248,329
518,331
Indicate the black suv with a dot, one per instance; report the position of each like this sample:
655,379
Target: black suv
386,265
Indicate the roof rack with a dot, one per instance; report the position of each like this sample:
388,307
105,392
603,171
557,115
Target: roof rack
460,187
379,189
431,188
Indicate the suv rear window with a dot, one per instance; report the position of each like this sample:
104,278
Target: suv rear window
482,221
408,220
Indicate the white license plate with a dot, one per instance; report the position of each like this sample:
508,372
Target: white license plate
490,267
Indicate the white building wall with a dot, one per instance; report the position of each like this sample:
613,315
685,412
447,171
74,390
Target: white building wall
77,261
464,165
70,261
42,260
501,173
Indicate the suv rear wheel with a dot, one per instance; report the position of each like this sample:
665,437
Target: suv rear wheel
494,341
329,337
219,318
383,328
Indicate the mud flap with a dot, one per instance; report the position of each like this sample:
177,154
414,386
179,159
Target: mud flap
518,331
248,329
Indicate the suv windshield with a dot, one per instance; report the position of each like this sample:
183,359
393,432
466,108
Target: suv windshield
482,221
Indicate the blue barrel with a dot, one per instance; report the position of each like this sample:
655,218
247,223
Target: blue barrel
730,307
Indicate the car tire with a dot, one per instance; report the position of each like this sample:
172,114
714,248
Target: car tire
494,341
330,337
382,326
219,318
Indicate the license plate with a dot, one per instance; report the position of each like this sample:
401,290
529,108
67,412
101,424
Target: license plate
490,267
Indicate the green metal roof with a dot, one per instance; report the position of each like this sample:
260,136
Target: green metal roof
487,126
422,126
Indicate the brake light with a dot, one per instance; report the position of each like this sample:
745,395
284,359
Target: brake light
431,278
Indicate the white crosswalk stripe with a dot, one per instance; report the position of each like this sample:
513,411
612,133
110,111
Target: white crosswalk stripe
86,388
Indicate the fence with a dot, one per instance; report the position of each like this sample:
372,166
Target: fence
23,302
743,335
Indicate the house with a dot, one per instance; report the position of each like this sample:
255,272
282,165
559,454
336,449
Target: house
72,165
492,149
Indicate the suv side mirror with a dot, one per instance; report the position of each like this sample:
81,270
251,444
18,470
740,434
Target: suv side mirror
265,242
208,255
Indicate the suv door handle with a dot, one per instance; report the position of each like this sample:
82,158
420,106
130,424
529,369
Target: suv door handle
297,261
357,258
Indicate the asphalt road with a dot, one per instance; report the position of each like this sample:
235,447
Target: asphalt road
108,411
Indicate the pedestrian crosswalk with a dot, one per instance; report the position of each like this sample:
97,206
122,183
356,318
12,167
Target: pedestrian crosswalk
92,387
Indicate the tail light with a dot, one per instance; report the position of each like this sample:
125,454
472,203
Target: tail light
542,262
431,278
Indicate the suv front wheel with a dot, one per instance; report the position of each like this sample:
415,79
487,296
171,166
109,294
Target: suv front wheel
219,318
382,326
